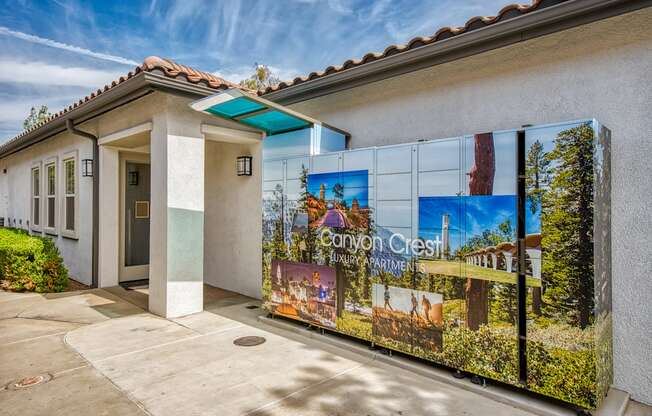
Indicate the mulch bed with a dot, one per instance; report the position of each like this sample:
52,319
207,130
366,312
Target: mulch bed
75,285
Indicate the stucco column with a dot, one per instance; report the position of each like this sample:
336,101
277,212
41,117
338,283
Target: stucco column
109,219
177,223
484,260
494,260
535,261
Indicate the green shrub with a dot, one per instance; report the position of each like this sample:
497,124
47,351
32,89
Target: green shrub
30,263
355,324
563,374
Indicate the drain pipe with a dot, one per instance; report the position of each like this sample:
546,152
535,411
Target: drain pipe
70,126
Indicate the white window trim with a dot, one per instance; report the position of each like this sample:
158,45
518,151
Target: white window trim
32,197
51,162
74,155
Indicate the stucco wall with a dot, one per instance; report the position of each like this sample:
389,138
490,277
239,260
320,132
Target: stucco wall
233,215
15,197
602,70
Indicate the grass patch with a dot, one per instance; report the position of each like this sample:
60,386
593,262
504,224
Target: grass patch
463,270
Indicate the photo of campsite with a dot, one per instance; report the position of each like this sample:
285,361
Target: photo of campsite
457,305
405,318
338,199
304,291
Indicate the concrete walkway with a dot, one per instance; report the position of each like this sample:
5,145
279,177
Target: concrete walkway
106,355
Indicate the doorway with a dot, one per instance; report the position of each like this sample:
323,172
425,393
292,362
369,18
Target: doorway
135,219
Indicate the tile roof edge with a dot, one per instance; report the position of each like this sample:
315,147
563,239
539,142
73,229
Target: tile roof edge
509,11
151,64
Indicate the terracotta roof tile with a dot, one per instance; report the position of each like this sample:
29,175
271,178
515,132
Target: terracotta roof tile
173,70
508,12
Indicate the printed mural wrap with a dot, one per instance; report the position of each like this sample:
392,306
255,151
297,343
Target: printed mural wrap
304,291
407,318
414,248
570,314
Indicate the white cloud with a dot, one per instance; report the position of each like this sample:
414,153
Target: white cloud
41,73
14,110
235,74
285,74
239,73
70,48
339,6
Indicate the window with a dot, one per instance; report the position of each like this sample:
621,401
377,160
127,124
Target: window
70,196
51,197
36,197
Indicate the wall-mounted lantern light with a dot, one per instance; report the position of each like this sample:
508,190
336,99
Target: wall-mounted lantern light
87,167
133,178
243,165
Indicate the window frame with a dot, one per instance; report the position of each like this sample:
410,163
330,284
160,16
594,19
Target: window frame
35,198
70,156
51,162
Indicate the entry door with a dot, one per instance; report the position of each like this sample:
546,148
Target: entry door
136,214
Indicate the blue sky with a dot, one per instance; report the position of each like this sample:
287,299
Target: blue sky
55,52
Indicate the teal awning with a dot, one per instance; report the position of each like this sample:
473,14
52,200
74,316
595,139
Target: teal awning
249,109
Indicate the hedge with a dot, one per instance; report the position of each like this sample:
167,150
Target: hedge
30,263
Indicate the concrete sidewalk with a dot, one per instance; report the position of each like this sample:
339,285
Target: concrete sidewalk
106,355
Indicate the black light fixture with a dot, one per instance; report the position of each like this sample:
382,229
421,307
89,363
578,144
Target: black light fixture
133,178
243,165
87,167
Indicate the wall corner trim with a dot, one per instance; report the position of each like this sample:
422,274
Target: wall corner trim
229,135
140,128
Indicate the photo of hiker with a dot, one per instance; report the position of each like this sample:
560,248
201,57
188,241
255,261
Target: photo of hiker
387,295
415,306
405,318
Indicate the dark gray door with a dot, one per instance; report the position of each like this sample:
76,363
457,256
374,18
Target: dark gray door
137,214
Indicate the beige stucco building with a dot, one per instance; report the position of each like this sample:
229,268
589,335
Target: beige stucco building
549,63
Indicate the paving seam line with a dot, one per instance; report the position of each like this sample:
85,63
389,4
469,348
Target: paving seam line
70,370
51,320
128,395
33,338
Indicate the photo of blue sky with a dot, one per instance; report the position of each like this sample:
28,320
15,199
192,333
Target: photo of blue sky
532,221
355,183
468,216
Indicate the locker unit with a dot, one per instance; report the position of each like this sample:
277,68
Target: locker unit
488,253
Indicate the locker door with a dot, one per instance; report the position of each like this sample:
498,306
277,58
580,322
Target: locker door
438,285
488,253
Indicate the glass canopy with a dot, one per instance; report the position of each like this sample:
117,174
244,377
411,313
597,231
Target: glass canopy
236,105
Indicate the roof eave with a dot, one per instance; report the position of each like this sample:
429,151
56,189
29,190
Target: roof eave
534,24
134,88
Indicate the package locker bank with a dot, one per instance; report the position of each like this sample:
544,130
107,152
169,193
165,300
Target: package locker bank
450,199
